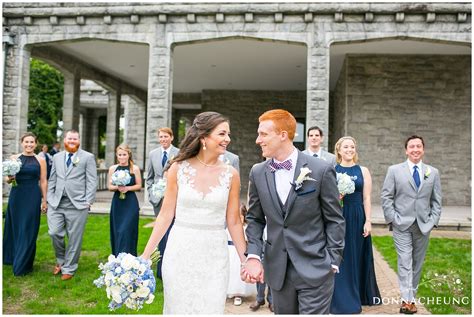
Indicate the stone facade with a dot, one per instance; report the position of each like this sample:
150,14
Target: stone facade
383,99
317,26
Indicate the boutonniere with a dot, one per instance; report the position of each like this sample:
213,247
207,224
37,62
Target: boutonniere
323,158
427,173
303,177
75,161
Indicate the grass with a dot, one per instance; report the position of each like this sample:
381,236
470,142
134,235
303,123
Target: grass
447,260
42,293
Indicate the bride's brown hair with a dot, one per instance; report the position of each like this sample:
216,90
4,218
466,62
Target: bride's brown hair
202,126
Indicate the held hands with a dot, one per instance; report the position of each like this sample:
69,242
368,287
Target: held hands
251,271
44,207
367,229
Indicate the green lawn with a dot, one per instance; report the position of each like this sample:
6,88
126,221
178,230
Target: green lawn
446,273
43,293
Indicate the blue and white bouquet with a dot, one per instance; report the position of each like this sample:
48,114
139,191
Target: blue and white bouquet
345,185
11,168
128,281
158,189
121,178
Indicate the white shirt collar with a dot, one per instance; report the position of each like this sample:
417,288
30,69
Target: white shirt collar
293,156
167,150
411,165
318,153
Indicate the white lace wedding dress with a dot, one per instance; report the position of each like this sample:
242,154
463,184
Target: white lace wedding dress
196,262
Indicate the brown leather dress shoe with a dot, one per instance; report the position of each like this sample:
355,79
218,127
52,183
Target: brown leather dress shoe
413,308
66,277
57,269
406,308
256,305
270,306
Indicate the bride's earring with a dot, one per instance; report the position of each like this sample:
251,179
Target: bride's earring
204,145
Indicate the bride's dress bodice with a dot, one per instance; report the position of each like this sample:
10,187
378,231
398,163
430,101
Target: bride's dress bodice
195,206
196,258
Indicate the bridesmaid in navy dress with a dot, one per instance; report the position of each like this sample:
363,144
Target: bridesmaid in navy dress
124,212
355,284
24,208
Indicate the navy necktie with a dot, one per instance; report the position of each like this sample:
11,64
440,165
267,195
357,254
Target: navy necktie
164,159
315,155
69,161
416,176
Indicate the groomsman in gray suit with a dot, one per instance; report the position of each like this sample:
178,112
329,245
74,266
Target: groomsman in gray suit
411,202
296,197
315,138
71,191
231,159
157,160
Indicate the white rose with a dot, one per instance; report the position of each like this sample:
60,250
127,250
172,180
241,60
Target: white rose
133,295
146,283
116,293
125,278
111,258
150,299
127,262
143,292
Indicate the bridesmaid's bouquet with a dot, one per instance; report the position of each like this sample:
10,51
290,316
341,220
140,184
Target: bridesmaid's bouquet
345,185
158,189
121,178
11,168
128,280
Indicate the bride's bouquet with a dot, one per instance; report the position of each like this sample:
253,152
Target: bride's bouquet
158,189
121,178
11,168
128,281
345,185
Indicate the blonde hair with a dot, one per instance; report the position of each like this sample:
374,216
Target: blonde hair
337,147
126,148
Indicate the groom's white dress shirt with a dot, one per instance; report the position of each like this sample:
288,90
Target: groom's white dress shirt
284,177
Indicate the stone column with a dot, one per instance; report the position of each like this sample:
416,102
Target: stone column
71,100
112,130
134,134
15,97
90,131
317,94
159,88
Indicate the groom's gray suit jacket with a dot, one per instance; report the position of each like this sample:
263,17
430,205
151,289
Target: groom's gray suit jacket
402,203
309,229
79,181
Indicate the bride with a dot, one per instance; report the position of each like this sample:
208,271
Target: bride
202,194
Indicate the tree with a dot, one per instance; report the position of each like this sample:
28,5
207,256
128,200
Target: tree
45,101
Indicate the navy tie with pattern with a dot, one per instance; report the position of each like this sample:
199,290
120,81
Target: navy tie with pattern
315,155
69,161
416,176
164,159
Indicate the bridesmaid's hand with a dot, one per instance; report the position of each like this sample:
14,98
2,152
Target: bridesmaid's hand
123,189
10,178
44,207
367,229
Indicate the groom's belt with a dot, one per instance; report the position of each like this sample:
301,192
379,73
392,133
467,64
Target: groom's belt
197,226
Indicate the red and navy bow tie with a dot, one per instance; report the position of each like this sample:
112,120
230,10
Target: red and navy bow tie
278,166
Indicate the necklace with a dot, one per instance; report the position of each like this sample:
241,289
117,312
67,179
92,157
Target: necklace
205,164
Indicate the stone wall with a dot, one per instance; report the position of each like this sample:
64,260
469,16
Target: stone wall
243,108
390,97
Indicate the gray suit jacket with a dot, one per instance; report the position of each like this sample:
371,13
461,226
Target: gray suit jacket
232,159
325,156
155,170
79,181
312,231
402,203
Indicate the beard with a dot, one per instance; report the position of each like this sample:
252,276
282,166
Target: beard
71,149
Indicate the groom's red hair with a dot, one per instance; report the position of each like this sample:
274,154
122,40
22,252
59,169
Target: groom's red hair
283,120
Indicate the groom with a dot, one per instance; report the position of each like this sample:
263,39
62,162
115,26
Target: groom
305,226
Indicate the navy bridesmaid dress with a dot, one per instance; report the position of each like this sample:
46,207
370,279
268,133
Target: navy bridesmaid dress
355,284
23,217
124,220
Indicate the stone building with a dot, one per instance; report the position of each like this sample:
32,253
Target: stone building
377,71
